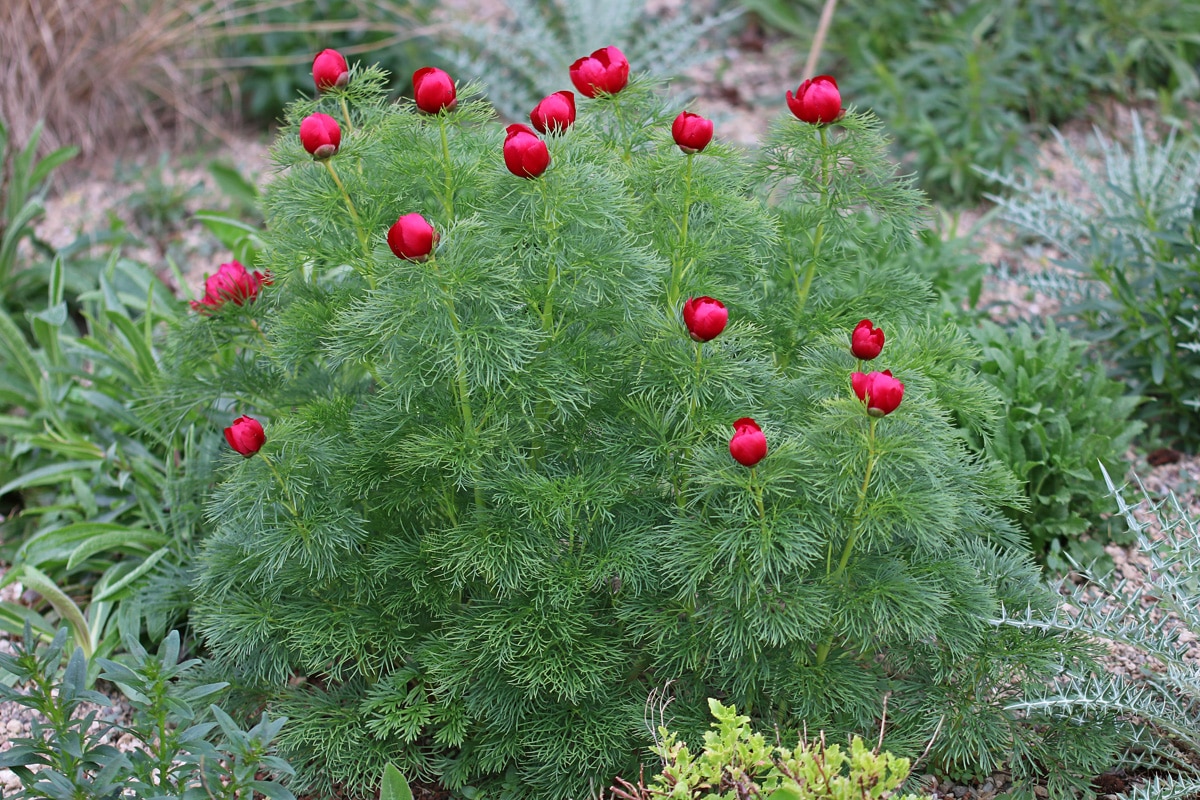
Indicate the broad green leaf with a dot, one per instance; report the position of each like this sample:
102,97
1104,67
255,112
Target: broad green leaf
142,569
37,580
394,787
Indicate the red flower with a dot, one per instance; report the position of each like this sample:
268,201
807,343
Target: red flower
320,135
692,132
606,70
525,155
866,342
817,101
704,317
555,113
246,435
231,283
330,70
433,90
412,237
879,390
749,444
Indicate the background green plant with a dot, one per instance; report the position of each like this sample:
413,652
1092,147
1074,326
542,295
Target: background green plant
101,511
1157,615
272,45
23,183
526,57
970,82
177,753
99,502
1129,276
1063,418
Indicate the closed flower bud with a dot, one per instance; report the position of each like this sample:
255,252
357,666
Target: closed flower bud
246,435
704,317
867,341
749,444
879,390
555,113
320,135
692,132
232,284
817,101
606,70
330,70
433,89
412,237
525,155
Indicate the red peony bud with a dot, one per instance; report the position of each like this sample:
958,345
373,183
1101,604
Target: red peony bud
320,135
606,70
704,317
879,390
330,70
555,113
525,155
433,90
412,237
817,101
246,435
231,283
866,342
692,132
749,444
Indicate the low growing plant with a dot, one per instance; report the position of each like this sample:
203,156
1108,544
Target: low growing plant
523,428
1131,258
735,762
176,754
1064,418
1157,615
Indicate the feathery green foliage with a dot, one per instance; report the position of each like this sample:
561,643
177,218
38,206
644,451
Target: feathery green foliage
496,509
1157,712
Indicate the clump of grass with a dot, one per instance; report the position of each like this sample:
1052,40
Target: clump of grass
100,72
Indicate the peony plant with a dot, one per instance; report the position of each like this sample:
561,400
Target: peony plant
499,506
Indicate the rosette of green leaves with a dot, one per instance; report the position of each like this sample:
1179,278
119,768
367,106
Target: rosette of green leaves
1064,419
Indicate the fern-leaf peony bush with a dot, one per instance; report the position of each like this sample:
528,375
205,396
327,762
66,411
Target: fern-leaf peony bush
498,507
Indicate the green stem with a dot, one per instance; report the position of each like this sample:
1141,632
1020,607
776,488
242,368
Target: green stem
551,223
824,161
757,490
625,143
346,114
287,495
462,388
358,227
802,289
677,270
447,196
855,528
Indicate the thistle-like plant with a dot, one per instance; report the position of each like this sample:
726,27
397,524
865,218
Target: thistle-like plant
1132,243
1159,710
509,487
525,57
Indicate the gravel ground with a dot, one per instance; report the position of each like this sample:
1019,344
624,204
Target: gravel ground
743,94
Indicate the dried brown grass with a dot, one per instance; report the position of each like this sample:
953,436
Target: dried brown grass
103,72
107,74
